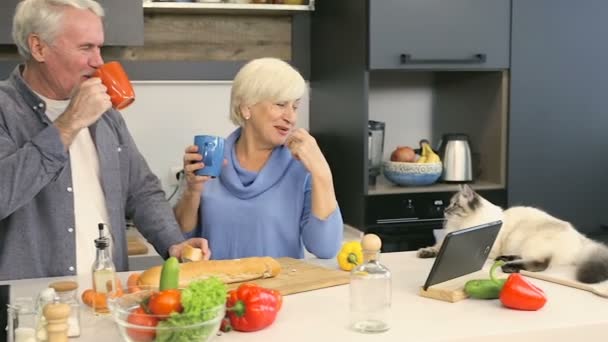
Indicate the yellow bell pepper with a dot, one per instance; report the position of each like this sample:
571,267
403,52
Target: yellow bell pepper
350,255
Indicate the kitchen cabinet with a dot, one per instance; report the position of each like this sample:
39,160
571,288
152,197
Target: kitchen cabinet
439,34
347,90
558,120
7,9
123,22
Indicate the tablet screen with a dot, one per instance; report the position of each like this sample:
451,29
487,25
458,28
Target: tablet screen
462,252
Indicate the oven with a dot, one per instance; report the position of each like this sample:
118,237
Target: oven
405,221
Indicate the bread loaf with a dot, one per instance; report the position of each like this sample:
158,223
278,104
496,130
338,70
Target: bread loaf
229,271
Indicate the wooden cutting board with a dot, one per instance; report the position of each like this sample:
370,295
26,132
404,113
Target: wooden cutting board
135,246
300,276
565,276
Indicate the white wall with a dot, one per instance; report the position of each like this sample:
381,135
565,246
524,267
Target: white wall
405,104
167,114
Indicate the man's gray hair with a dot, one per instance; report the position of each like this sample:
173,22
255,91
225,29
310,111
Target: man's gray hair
43,17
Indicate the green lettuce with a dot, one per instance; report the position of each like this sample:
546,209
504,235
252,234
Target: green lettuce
202,300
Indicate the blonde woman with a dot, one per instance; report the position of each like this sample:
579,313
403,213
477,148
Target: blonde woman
275,195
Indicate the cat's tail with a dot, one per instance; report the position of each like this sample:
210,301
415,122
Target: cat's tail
594,267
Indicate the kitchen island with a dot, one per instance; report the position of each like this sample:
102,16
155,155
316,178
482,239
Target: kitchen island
322,315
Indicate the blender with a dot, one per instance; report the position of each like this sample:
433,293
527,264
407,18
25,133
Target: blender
375,145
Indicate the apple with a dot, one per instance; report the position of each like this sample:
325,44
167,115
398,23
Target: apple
403,154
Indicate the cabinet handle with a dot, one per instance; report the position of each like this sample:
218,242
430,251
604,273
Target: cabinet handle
476,58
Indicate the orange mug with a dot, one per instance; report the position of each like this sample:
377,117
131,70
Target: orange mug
114,77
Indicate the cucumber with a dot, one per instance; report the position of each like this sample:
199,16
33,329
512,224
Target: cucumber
169,275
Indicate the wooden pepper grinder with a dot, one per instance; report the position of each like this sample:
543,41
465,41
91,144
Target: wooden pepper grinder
56,315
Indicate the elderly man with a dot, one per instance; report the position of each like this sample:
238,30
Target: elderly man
67,160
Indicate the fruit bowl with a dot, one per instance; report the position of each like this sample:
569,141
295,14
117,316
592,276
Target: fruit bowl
412,174
136,325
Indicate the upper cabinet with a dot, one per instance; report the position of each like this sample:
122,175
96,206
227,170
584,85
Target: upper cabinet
439,34
7,9
123,23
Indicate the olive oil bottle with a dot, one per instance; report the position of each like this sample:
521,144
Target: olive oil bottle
104,273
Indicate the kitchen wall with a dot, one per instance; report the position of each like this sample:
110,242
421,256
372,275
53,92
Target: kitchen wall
404,102
167,114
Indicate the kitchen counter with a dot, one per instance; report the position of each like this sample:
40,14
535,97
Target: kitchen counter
322,315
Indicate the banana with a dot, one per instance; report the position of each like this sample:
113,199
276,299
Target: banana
422,159
431,156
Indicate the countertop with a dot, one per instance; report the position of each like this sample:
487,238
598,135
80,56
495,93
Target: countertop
322,315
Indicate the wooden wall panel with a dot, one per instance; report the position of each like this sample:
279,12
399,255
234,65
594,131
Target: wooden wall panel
187,37
199,37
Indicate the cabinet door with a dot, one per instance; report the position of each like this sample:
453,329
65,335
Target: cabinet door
123,22
558,116
7,10
439,34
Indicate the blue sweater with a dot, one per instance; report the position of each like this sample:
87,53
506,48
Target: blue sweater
244,213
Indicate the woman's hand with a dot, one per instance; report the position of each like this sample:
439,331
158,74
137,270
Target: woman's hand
304,148
192,163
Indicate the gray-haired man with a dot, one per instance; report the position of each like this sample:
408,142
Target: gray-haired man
67,160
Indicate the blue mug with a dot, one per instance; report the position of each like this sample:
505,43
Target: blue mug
212,149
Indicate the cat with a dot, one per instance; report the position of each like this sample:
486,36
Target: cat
529,239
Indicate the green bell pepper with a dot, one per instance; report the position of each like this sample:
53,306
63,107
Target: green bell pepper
486,288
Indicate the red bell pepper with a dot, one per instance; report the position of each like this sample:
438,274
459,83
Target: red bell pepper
251,307
518,293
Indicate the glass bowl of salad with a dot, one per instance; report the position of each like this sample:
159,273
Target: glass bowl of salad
193,314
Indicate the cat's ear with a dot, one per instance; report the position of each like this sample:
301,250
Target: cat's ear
467,191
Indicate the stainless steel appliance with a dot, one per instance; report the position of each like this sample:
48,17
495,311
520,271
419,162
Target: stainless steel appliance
455,153
375,144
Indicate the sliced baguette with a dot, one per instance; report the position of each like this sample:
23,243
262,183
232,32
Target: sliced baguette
229,271
190,253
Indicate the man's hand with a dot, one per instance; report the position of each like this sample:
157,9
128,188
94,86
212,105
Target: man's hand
89,101
176,250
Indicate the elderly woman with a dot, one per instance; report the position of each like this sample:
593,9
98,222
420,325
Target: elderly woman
275,194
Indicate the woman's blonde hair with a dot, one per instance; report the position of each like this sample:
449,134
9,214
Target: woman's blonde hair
264,79
44,18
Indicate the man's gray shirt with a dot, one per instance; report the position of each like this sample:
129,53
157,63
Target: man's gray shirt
37,233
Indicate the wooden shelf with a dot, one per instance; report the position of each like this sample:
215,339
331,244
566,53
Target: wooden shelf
385,187
225,8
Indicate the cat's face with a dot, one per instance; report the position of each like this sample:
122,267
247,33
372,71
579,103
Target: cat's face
463,203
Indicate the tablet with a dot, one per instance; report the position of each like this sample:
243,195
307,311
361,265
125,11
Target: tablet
462,252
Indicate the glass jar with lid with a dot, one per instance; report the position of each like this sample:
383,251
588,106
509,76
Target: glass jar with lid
67,292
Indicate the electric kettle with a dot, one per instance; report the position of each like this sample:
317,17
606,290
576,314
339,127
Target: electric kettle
455,153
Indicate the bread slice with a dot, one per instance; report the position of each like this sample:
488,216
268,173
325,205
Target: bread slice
190,253
229,271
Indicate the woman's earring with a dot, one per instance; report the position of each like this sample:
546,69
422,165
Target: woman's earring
246,117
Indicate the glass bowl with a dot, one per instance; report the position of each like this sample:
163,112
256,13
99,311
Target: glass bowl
142,327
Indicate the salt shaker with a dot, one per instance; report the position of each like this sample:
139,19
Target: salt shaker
45,297
370,290
67,293
56,315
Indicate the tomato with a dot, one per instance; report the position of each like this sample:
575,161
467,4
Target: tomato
165,302
140,317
